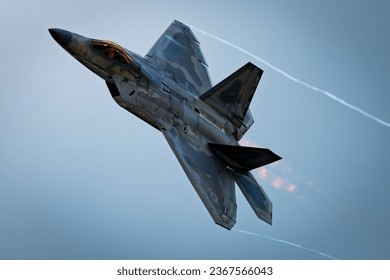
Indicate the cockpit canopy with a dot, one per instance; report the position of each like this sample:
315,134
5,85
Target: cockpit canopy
112,50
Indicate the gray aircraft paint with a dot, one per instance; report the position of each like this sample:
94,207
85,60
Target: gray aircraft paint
170,89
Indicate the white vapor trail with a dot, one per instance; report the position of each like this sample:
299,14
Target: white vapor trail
288,76
286,242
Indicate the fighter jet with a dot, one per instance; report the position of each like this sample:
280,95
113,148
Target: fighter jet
170,89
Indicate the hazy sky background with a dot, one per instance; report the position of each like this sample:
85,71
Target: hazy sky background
81,178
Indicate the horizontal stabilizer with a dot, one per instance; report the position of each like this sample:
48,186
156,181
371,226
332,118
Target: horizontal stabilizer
255,195
232,96
241,158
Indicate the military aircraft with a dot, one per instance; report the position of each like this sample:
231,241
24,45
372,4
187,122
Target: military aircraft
170,89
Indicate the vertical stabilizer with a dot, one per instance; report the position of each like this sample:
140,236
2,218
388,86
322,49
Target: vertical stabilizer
232,97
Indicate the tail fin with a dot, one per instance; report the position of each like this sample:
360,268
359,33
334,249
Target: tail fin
232,96
255,195
243,158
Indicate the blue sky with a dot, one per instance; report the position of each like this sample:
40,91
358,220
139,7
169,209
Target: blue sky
80,178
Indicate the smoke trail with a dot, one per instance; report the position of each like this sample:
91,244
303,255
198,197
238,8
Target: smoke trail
288,76
286,242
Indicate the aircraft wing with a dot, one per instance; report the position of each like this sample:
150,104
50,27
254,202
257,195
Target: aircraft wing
178,52
211,179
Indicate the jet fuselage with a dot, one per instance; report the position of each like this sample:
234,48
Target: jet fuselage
170,89
144,90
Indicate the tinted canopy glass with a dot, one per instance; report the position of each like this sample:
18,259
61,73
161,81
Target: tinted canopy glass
112,50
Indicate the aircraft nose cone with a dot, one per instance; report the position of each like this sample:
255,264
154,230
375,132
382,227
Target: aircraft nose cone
61,36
